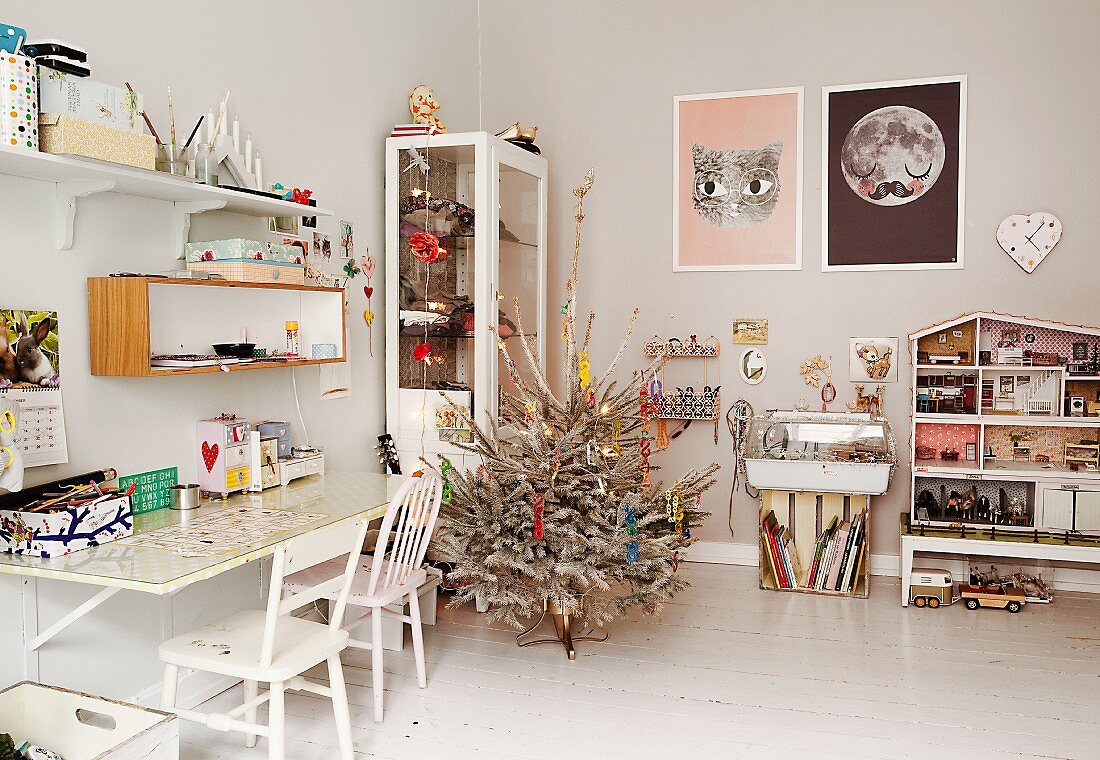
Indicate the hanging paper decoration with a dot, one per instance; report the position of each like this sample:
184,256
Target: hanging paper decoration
424,246
368,291
351,269
422,353
538,501
663,438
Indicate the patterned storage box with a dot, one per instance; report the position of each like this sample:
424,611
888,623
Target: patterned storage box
67,134
323,351
18,102
240,249
254,271
83,98
67,531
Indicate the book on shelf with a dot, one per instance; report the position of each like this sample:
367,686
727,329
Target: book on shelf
852,555
820,551
790,555
838,555
408,130
190,360
768,528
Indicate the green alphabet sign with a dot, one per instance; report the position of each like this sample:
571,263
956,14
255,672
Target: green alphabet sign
152,488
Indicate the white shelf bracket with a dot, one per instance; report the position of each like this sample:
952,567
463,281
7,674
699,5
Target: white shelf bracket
33,643
67,193
182,222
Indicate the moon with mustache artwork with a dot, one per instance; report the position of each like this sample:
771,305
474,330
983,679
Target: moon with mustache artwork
893,156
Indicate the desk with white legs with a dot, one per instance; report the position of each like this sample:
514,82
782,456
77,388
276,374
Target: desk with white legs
1017,546
119,566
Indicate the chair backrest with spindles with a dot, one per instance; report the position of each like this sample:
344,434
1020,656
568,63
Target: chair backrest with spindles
411,519
303,552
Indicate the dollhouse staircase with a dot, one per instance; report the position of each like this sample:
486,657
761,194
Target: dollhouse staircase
1038,406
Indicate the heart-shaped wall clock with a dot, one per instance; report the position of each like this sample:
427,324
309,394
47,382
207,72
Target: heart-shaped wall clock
209,455
1029,238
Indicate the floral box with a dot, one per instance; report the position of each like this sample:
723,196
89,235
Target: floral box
58,133
66,531
240,249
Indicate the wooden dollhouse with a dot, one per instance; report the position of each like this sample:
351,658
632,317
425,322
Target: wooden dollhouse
1006,423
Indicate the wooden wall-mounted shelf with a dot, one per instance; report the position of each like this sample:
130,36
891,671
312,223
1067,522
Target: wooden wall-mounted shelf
79,177
132,318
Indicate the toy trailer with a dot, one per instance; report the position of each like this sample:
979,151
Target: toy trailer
1001,597
930,588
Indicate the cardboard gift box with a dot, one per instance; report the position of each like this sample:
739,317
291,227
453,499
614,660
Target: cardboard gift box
68,530
18,102
68,134
253,271
83,98
240,249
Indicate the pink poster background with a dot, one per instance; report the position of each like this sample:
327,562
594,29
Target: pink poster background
750,121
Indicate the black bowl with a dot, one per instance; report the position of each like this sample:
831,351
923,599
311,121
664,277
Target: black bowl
238,350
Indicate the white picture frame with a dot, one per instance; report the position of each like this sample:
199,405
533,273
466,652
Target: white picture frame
796,222
826,159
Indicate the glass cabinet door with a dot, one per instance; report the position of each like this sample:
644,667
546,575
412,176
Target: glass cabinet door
520,271
484,201
436,298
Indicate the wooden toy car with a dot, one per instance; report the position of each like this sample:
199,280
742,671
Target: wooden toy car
1011,599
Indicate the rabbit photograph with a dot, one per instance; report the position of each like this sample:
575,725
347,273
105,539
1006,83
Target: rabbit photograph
29,348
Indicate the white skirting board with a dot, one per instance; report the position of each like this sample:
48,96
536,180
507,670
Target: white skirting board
1075,578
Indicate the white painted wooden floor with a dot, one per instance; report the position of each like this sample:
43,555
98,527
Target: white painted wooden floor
730,672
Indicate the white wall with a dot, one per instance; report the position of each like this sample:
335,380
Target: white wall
318,85
599,78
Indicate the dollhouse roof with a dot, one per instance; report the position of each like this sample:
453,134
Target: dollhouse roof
1011,318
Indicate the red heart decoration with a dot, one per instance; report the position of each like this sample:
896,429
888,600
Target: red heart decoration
209,455
368,291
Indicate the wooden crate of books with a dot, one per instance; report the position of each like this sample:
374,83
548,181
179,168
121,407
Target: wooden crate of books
815,543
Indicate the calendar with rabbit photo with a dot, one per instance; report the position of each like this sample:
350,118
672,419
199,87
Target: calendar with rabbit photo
30,385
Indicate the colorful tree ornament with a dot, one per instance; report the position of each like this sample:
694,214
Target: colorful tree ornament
538,501
585,369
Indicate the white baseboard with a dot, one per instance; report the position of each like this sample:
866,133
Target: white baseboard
195,687
1073,578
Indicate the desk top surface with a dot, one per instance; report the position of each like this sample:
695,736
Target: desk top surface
120,564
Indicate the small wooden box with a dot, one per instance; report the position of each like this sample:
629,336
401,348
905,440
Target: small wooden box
84,727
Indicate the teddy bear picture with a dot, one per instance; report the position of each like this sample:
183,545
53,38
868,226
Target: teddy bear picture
873,359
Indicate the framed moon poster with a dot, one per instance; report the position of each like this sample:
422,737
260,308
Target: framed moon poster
737,187
893,175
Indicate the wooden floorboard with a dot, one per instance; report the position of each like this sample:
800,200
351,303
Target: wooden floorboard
727,671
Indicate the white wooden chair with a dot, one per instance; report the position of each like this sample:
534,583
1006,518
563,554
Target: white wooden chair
274,647
390,576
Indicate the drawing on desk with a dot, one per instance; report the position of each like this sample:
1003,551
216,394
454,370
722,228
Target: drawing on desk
223,531
30,377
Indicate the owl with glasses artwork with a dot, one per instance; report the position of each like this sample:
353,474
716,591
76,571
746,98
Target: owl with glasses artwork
737,187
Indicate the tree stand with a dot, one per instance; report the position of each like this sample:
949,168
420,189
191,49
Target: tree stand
563,628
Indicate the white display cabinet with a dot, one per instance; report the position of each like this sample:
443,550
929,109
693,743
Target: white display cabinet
484,199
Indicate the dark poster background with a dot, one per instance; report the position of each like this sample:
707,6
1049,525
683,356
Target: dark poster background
922,232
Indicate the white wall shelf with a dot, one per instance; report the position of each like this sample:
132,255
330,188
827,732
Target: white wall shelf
78,178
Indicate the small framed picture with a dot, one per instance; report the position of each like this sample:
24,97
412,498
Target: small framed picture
1010,337
956,333
971,452
942,338
1080,351
873,359
750,330
1029,337
283,225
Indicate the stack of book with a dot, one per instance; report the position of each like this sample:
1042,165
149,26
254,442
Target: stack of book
412,130
837,559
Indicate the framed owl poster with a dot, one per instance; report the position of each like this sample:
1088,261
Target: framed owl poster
892,175
737,187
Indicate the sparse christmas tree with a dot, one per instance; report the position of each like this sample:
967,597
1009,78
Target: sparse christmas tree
564,516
